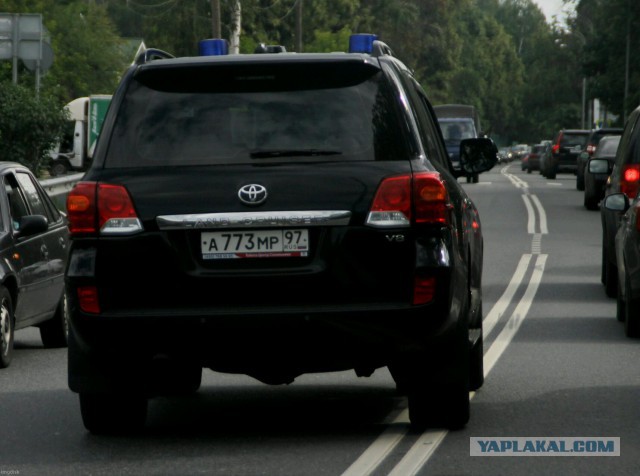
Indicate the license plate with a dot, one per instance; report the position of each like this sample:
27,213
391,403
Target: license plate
288,243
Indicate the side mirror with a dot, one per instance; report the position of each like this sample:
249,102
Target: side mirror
617,202
478,155
32,225
599,166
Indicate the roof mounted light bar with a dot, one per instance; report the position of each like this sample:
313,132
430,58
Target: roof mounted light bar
213,47
368,43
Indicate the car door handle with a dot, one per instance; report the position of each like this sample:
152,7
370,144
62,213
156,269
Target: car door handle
45,251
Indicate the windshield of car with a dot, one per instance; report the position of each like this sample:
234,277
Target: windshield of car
285,122
455,130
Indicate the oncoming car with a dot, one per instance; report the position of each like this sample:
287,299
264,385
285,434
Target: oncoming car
273,215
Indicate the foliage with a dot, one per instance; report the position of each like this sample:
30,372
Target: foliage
29,125
524,75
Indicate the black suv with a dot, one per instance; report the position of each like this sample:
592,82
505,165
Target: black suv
272,215
565,150
624,178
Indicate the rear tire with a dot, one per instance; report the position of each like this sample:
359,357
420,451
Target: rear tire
59,167
610,279
631,314
55,332
442,407
107,413
476,364
7,324
590,200
580,182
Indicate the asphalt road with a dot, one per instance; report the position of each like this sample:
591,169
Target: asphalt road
557,363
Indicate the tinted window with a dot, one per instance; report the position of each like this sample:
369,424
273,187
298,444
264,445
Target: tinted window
607,148
572,140
262,123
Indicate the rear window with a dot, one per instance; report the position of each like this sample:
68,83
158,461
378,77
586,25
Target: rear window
257,117
608,148
457,129
573,140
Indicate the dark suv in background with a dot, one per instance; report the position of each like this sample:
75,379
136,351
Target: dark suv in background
565,150
592,143
624,178
273,215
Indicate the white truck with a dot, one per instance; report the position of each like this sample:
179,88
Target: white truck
75,149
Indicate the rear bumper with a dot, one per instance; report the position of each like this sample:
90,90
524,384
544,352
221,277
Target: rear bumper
116,352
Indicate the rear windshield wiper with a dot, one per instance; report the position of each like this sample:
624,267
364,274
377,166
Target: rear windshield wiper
269,153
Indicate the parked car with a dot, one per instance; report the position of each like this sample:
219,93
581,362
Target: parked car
566,147
597,171
33,250
251,217
592,144
532,159
624,178
627,251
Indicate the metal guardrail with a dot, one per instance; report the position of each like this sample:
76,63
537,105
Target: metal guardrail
58,187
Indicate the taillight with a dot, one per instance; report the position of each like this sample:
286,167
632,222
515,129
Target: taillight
424,289
630,180
88,299
96,207
555,148
591,149
392,203
81,208
422,196
431,199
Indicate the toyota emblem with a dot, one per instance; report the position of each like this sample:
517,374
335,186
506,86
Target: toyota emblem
252,194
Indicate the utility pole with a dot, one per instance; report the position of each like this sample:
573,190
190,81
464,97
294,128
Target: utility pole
299,26
215,19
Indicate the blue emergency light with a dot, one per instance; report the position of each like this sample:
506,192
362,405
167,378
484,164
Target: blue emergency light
213,47
362,42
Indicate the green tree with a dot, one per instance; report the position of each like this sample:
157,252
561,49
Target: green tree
30,125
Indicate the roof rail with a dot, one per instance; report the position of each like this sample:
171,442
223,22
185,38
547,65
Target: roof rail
380,48
151,54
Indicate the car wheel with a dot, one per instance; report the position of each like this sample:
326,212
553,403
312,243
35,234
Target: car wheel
529,170
55,332
107,413
6,328
580,182
476,364
475,178
441,407
590,200
631,313
59,167
620,305
610,279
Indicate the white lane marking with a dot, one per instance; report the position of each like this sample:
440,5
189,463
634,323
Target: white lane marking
554,184
531,223
501,305
543,216
515,321
375,454
426,445
419,453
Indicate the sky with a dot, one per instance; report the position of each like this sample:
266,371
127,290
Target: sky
551,8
